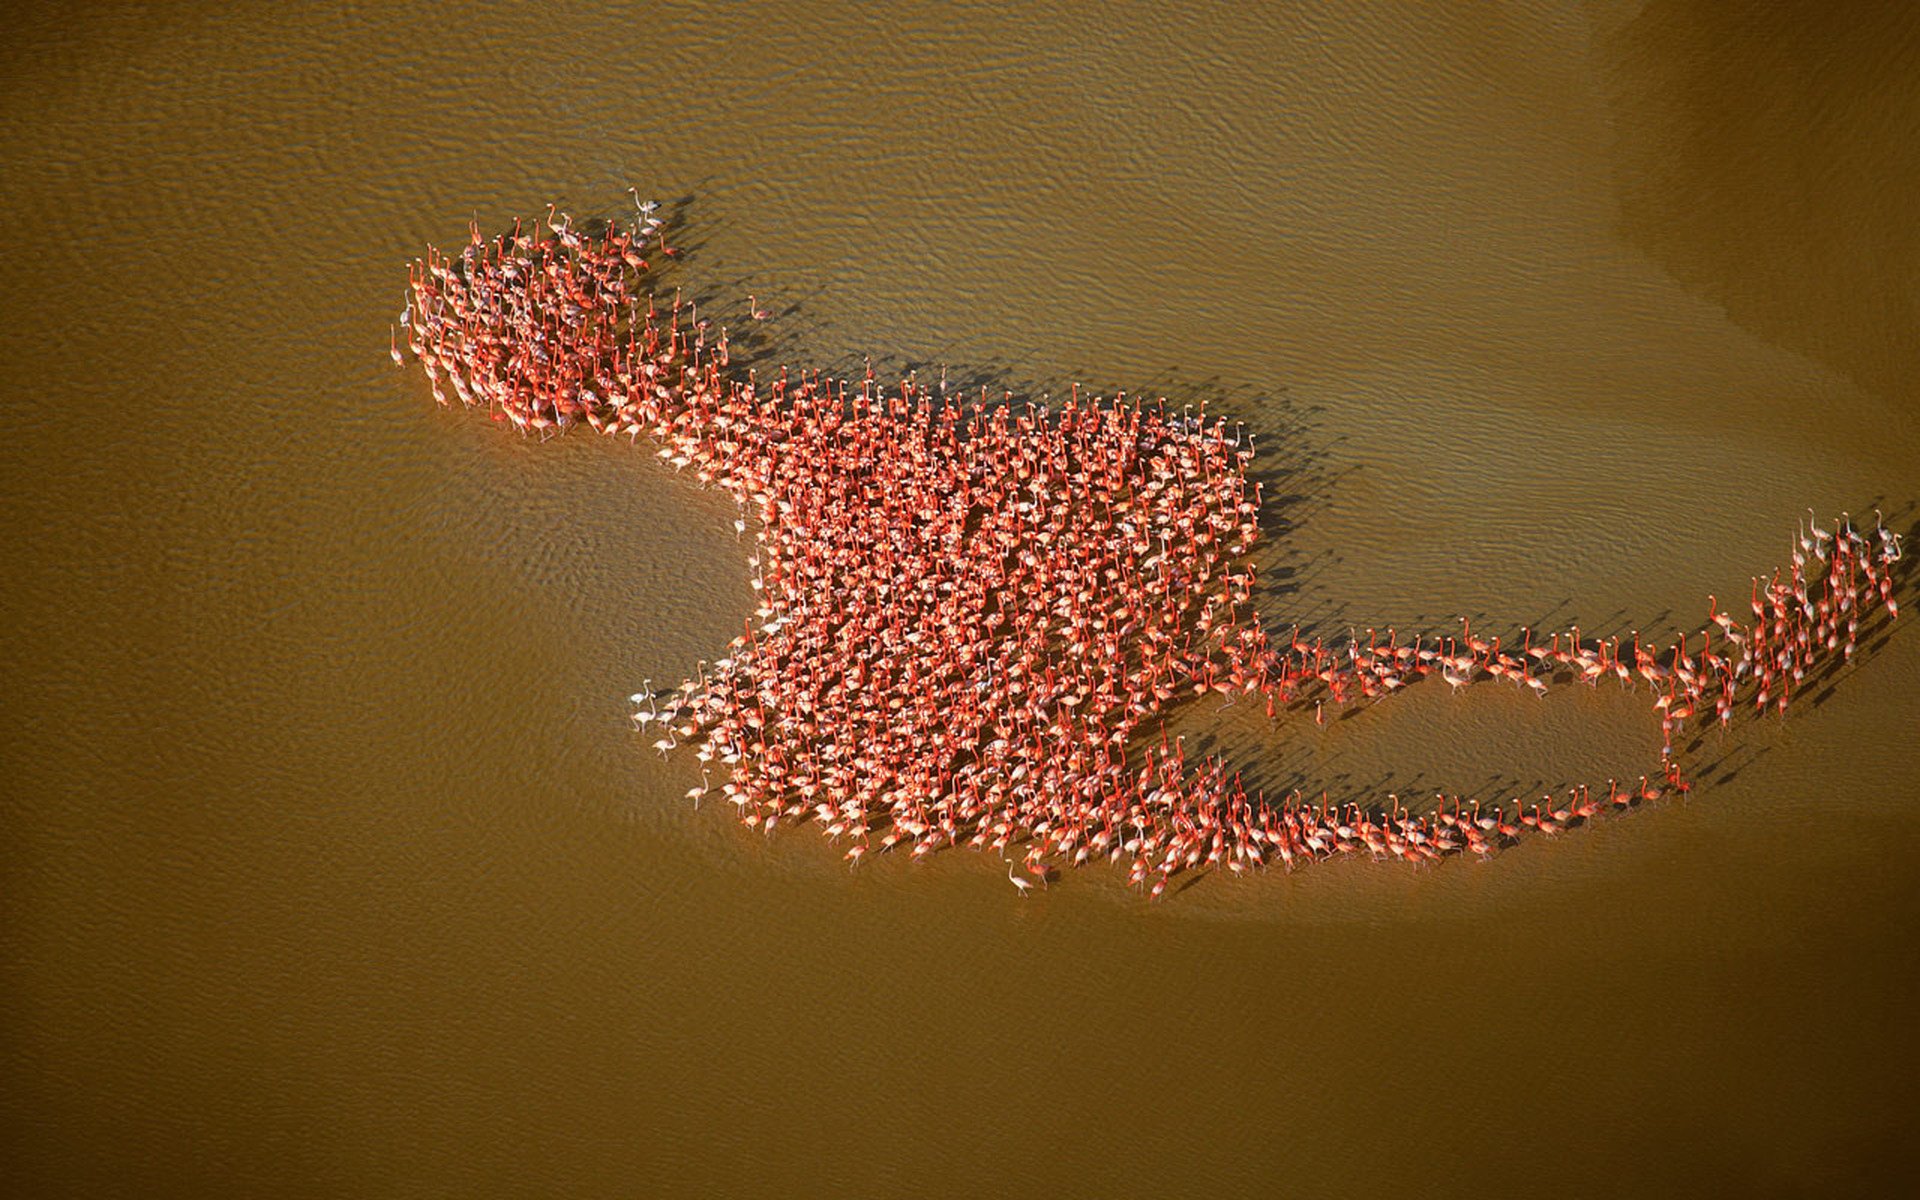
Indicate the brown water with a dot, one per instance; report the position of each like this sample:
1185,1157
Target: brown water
331,867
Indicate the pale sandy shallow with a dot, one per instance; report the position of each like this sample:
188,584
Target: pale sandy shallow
333,869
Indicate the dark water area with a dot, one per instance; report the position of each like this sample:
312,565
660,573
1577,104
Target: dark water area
332,867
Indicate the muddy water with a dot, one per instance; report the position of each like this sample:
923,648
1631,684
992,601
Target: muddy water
331,867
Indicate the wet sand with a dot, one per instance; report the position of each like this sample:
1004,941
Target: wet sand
333,868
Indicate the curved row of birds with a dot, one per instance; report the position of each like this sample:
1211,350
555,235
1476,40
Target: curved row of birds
973,617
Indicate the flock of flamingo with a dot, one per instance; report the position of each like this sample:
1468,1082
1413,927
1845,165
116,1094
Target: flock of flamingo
972,618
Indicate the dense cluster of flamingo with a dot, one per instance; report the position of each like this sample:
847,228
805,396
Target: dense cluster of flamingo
972,617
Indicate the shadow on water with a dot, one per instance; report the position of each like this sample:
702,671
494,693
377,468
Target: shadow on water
1786,200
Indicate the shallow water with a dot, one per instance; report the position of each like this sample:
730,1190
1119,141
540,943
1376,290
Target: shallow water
332,867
